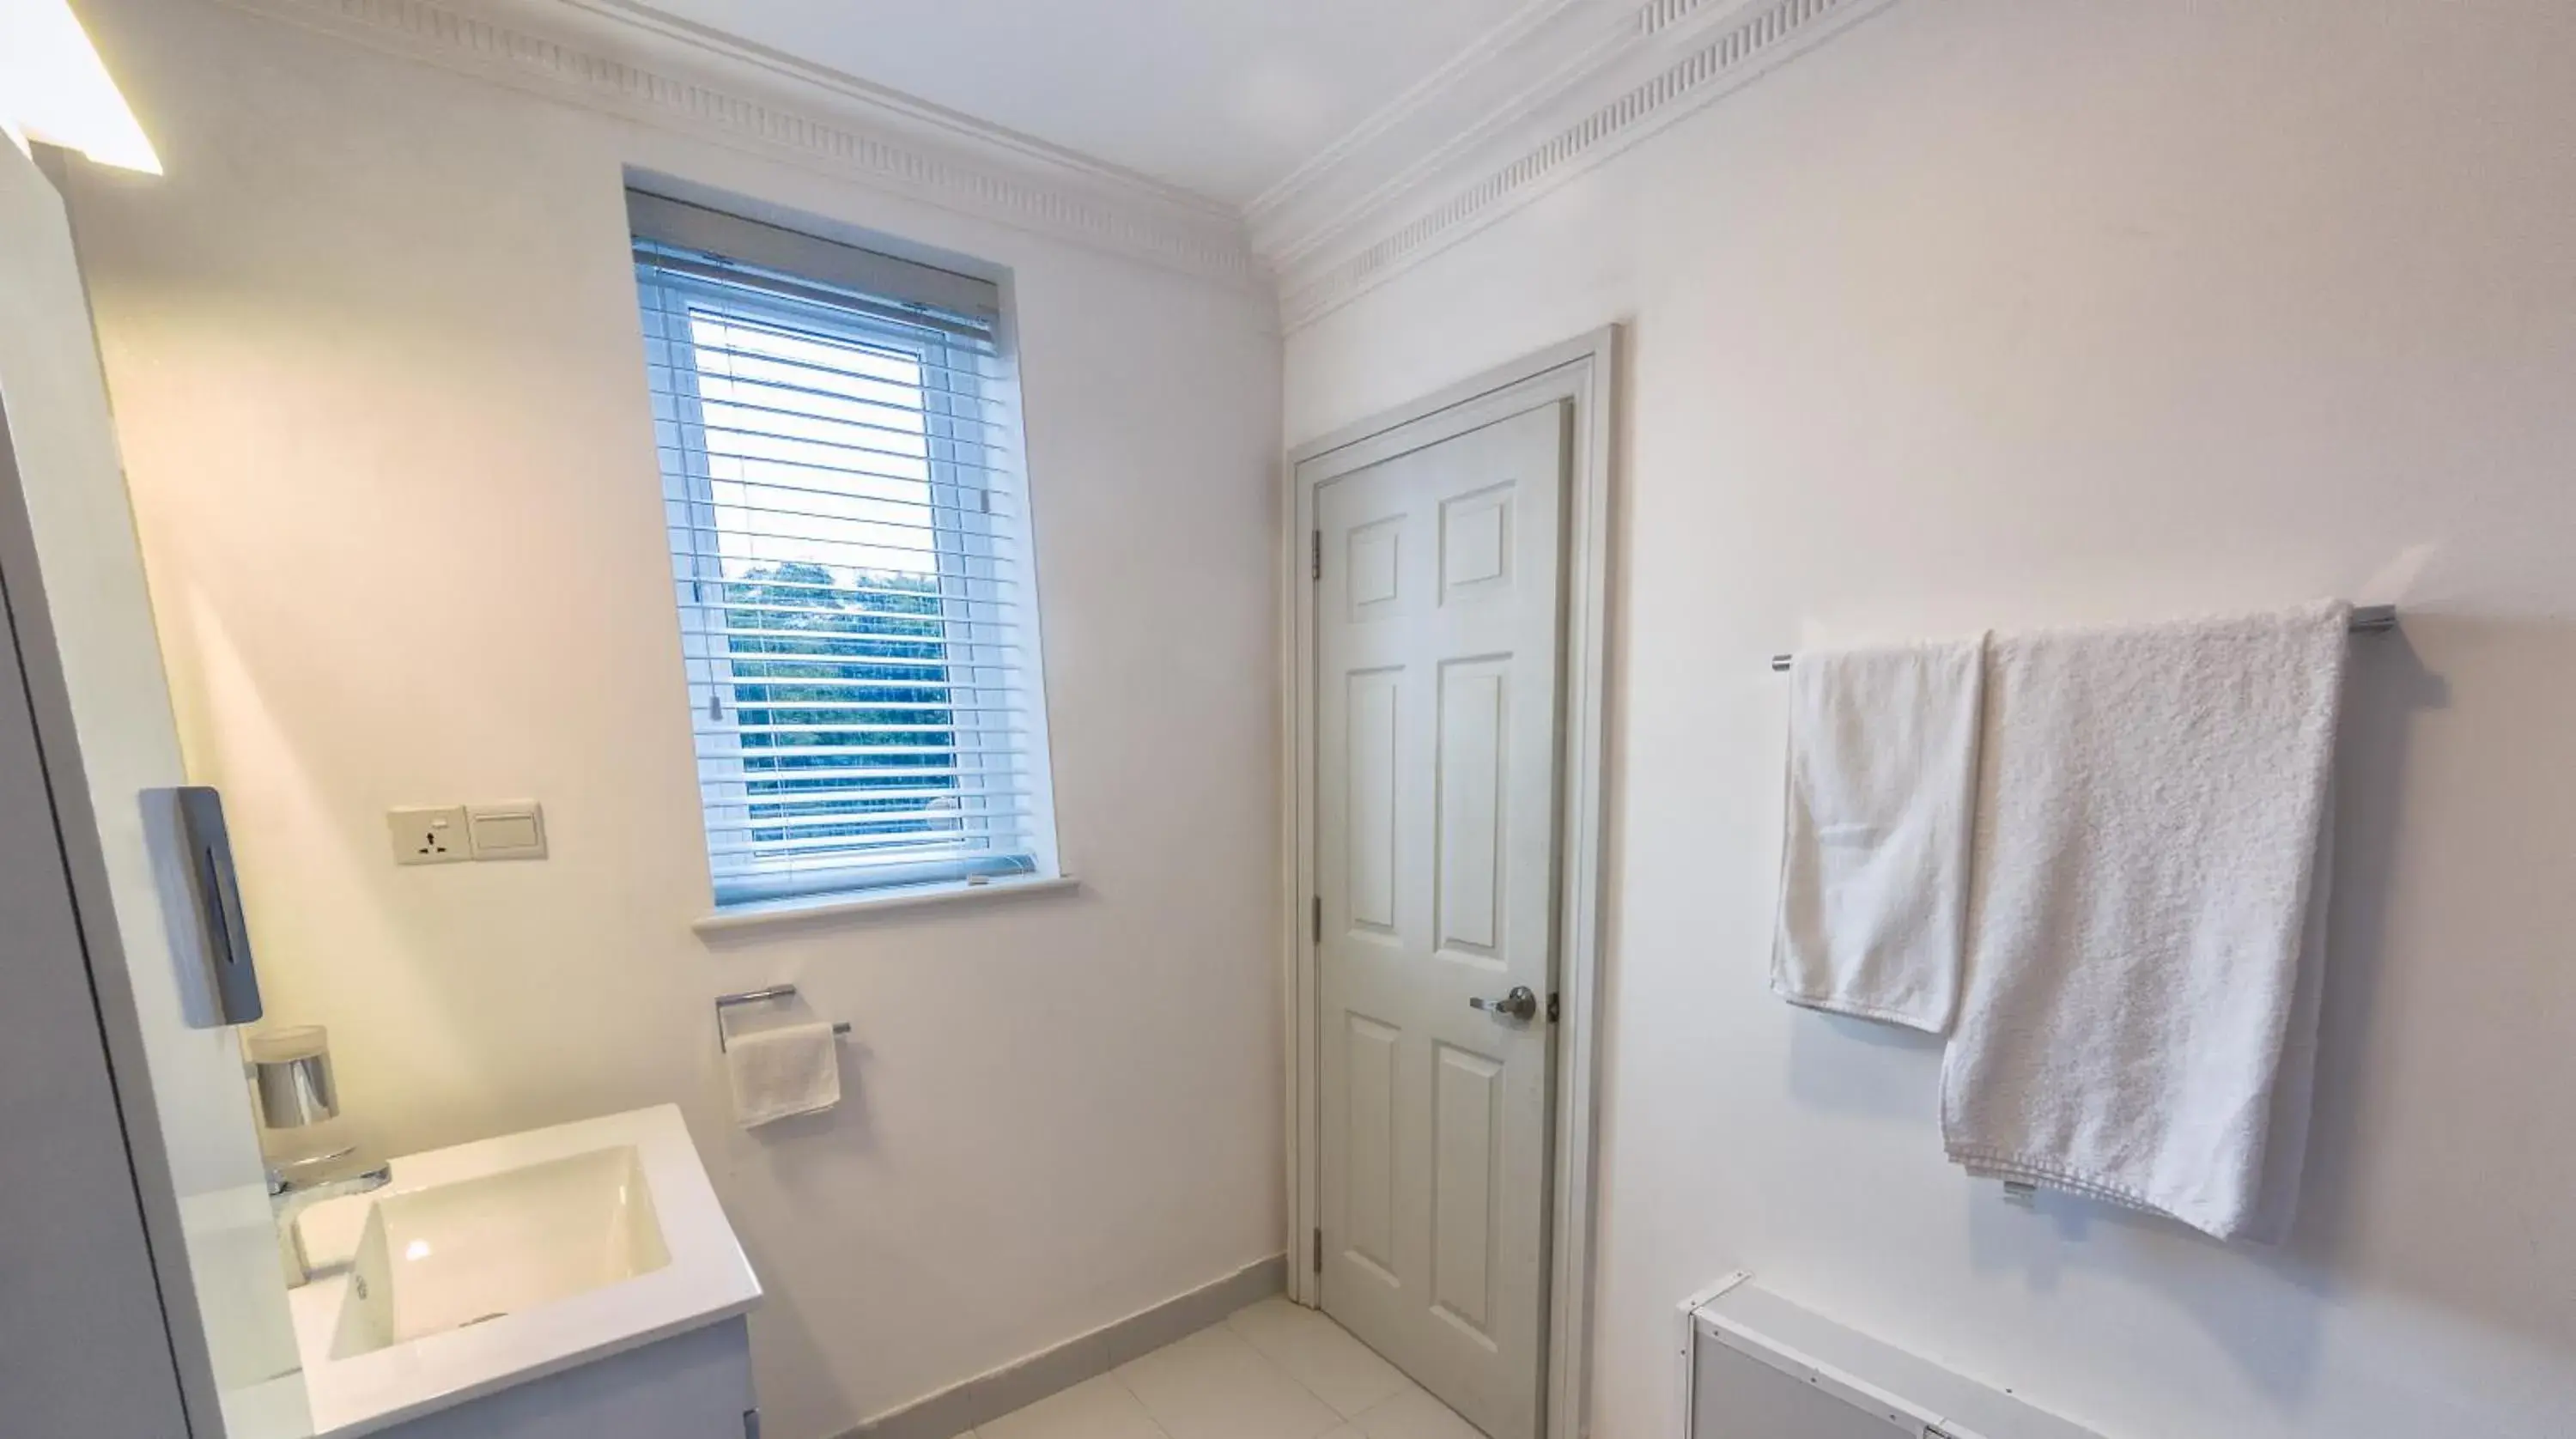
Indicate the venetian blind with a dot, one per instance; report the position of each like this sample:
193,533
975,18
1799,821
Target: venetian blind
848,531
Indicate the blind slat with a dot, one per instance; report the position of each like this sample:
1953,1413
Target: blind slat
927,416
933,654
922,792
742,300
728,749
817,416
740,658
688,539
915,820
827,681
872,727
959,362
858,778
713,281
948,478
817,588
737,607
746,535
745,506
814,849
804,442
748,642
950,511
843,686
802,706
972,375
912,827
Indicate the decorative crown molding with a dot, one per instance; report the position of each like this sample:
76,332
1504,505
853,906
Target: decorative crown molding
609,56
1558,87
1660,15
1576,84
1424,98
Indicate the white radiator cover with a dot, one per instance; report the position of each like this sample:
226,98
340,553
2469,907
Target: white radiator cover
1755,1366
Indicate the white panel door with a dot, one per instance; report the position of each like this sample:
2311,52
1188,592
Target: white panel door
1436,693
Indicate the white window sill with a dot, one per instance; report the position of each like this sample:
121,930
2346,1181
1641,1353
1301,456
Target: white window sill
820,908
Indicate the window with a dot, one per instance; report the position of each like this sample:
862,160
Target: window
849,548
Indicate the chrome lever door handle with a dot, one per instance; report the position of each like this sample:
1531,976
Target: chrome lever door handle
1520,1004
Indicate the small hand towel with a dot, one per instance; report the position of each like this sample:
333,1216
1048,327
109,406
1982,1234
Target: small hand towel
1874,854
783,1069
2146,932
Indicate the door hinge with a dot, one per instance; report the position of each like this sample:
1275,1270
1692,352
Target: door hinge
1317,564
1319,1250
1551,1006
1319,919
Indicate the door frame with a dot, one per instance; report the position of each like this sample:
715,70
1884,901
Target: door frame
1580,371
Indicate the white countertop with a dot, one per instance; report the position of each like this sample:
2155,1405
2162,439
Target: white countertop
707,1280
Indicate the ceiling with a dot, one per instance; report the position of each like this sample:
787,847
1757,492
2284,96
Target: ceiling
1223,97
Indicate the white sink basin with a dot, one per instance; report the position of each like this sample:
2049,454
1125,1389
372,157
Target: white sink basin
458,1254
496,1262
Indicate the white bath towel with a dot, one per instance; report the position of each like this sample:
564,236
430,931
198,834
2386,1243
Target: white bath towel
2146,933
1874,853
782,1068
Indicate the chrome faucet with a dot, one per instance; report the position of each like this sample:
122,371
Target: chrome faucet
296,1187
289,1071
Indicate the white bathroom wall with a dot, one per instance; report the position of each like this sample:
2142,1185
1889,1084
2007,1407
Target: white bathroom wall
373,347
2005,313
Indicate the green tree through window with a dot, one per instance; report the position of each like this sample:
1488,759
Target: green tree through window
825,662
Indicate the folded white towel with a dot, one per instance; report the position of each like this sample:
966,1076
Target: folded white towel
782,1069
1874,854
2146,934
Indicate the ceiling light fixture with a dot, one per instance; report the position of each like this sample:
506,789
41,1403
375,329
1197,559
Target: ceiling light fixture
54,88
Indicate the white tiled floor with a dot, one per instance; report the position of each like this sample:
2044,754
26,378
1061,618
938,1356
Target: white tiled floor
1273,1371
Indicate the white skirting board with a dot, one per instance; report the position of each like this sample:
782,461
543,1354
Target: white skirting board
961,1407
1752,1365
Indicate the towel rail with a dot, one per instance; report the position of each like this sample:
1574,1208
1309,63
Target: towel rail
2366,620
755,996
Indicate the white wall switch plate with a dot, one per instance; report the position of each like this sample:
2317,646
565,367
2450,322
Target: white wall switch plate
429,835
516,830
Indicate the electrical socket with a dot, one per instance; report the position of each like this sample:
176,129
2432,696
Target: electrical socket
429,836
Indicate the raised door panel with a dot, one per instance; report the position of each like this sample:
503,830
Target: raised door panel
1370,759
1474,759
1369,1170
1467,1100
